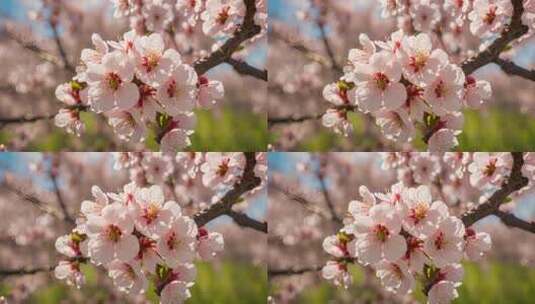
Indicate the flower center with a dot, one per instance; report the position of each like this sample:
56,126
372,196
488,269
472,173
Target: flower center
172,89
440,240
490,168
113,233
490,16
150,62
440,89
381,232
418,213
114,81
223,15
172,241
151,213
381,80
418,61
222,169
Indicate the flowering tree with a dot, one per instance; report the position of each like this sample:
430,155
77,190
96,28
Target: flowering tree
417,217
412,76
147,235
150,79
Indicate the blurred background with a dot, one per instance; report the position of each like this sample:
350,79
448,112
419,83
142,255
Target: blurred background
28,233
28,82
505,122
299,219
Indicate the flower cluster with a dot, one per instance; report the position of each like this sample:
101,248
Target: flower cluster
140,83
405,83
217,17
139,237
137,84
406,236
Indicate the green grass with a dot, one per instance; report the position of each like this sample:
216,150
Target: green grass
496,283
230,282
496,129
225,130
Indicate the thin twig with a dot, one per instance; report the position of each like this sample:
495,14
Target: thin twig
24,271
60,199
327,198
21,120
61,49
511,68
328,47
244,68
244,220
511,220
293,271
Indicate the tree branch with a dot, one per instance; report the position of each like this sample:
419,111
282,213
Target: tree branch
328,47
244,220
514,183
246,31
45,207
292,119
510,219
21,120
24,271
293,271
61,49
244,68
511,32
327,198
60,199
247,183
511,68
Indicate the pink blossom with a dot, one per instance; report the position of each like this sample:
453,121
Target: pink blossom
337,273
176,245
178,92
209,244
418,59
444,91
222,168
445,244
476,244
378,83
110,83
395,277
378,236
128,277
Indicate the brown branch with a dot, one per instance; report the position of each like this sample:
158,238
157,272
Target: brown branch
247,182
328,47
63,54
514,183
327,197
60,199
246,31
43,206
292,119
298,46
293,271
244,68
511,220
21,120
511,68
511,32
24,271
244,220
304,202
